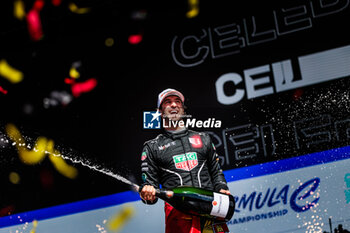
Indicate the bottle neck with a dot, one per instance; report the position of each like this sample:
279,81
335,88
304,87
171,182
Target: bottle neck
161,193
164,194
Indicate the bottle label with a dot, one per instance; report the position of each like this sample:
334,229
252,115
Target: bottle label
221,204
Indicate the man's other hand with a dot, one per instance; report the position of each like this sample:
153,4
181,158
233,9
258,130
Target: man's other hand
225,191
148,193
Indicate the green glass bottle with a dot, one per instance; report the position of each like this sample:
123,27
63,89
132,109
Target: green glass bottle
199,201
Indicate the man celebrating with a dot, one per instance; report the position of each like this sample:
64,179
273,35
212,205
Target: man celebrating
159,166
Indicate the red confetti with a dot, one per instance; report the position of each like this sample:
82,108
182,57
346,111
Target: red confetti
46,179
34,25
79,88
69,81
38,5
135,39
298,93
56,2
2,90
7,210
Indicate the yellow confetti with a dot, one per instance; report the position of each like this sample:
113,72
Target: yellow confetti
62,167
33,156
19,10
109,42
117,222
14,178
29,157
73,73
75,9
59,163
13,133
35,225
11,74
42,147
193,8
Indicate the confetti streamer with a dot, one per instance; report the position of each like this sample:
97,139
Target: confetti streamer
193,6
87,86
8,72
75,9
34,25
118,221
19,9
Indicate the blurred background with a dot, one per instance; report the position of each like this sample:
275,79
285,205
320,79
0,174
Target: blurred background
76,77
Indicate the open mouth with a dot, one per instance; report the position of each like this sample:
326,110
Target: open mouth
174,114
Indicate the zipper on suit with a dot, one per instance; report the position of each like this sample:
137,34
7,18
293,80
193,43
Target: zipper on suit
188,165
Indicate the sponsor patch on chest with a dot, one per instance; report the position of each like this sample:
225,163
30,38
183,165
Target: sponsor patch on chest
196,141
163,147
186,161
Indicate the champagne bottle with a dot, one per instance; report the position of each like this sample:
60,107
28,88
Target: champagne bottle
199,201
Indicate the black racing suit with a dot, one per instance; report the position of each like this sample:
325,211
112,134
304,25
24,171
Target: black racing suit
186,158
